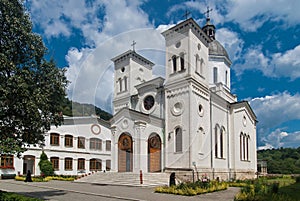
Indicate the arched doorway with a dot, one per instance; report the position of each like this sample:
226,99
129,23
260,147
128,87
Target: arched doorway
28,164
125,153
154,153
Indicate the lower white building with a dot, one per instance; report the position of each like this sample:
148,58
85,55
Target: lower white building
81,145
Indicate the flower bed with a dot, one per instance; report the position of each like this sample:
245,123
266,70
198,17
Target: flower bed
191,189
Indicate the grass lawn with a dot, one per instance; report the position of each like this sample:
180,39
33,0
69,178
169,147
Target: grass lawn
293,191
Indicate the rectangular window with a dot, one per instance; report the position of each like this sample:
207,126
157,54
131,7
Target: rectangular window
108,165
54,139
69,141
81,164
95,164
55,163
95,144
68,163
108,145
81,142
7,161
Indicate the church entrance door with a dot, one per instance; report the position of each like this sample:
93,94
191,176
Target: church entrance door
125,153
154,153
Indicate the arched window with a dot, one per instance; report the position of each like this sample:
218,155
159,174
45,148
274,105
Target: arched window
96,144
181,60
68,141
247,147
178,139
68,163
95,164
215,75
197,64
174,62
217,143
226,78
244,147
241,146
54,139
125,83
201,139
201,66
120,84
222,140
55,163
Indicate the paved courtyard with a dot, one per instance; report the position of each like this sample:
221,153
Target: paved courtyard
66,191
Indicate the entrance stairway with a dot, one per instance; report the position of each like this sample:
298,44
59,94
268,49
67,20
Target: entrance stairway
126,179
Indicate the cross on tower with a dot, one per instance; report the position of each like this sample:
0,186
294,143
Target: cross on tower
186,14
207,12
133,44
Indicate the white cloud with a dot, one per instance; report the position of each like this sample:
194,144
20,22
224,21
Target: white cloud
272,111
284,64
231,41
252,14
276,109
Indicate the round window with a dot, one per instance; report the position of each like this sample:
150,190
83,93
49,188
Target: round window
123,69
149,102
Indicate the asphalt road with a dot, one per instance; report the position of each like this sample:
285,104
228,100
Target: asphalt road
66,191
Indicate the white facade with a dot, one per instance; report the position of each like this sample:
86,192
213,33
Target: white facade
67,154
188,121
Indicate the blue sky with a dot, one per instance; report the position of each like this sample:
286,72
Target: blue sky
261,37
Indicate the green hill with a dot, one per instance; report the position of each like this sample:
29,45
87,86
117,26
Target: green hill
282,160
71,108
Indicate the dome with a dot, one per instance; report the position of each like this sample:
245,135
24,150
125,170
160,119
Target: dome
216,49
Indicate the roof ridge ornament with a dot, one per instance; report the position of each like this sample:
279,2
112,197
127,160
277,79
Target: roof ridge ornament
207,12
186,14
133,45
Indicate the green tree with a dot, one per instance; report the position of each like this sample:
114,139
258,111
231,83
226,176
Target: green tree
31,88
45,165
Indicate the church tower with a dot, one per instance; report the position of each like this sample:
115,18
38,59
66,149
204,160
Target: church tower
131,69
186,93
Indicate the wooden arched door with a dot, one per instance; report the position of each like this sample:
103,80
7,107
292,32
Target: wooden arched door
125,153
154,153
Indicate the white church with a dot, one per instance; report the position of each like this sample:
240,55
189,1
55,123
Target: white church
187,122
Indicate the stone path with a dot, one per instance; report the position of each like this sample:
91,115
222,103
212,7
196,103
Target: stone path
65,191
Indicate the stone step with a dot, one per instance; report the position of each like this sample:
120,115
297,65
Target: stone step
128,179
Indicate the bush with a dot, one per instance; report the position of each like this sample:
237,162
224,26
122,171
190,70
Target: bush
7,196
45,165
191,189
46,168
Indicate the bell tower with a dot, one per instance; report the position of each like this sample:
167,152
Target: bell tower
186,91
130,70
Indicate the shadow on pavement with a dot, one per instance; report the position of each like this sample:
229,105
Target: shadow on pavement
44,195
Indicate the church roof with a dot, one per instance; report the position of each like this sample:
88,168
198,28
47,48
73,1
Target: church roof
186,25
247,106
85,120
133,55
158,82
216,49
135,116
